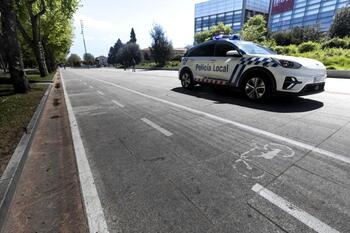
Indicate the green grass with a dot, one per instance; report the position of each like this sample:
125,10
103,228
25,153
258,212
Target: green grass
171,65
16,110
37,78
332,58
32,78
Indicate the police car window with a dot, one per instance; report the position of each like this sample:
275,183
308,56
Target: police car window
222,48
251,48
203,51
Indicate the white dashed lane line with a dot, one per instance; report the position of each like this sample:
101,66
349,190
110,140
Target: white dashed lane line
273,136
304,217
118,104
100,93
157,127
91,87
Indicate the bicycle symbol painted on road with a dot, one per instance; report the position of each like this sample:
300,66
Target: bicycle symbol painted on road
268,151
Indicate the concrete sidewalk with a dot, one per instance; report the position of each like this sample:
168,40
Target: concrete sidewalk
47,197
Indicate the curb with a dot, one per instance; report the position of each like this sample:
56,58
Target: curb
338,74
10,177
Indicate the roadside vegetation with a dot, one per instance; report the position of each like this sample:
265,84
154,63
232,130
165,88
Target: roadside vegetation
16,112
129,54
332,49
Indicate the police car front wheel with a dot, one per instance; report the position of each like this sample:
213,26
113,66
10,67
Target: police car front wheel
256,88
187,80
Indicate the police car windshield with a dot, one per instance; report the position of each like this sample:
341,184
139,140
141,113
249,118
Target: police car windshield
251,48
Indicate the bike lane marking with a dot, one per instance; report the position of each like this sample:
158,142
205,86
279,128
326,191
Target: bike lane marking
304,217
237,124
92,203
118,104
157,127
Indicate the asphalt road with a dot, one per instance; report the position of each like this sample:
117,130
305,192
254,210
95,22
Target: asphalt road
165,159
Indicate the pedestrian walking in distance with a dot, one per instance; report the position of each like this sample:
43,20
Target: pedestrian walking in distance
133,63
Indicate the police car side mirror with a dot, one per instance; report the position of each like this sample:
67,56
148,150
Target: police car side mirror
233,53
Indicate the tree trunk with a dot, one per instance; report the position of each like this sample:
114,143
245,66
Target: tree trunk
40,58
3,62
50,59
11,46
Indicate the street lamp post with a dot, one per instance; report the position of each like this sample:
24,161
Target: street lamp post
82,32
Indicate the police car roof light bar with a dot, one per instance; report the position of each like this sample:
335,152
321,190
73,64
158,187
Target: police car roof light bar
230,37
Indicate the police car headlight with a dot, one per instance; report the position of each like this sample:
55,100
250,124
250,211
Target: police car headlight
289,64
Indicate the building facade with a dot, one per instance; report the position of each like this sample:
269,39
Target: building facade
233,13
286,14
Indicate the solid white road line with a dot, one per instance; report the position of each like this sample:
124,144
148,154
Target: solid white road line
92,203
117,103
342,158
304,217
157,127
101,93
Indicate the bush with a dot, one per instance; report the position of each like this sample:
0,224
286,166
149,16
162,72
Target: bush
74,60
280,50
336,43
297,35
308,47
341,23
292,49
269,43
221,28
282,38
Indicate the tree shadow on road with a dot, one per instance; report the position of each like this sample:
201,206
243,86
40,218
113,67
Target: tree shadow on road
225,95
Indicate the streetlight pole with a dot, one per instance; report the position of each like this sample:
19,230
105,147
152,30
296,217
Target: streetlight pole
82,32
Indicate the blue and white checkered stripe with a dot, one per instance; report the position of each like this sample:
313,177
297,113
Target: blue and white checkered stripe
266,62
244,62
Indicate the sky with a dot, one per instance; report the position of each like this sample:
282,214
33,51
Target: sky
107,20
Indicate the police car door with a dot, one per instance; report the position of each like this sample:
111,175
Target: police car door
202,60
224,66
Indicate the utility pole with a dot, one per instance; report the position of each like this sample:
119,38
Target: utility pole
82,32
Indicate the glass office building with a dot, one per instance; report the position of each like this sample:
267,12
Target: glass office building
286,14
230,12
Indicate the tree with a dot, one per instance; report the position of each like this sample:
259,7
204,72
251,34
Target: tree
11,45
74,60
255,29
132,36
110,56
129,52
113,51
89,59
31,11
46,27
3,61
219,29
161,48
57,31
341,24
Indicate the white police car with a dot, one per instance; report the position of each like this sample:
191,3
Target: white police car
255,70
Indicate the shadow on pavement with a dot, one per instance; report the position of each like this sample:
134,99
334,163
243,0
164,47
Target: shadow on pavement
225,95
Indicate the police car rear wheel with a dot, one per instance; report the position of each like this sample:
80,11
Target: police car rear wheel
187,80
256,88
